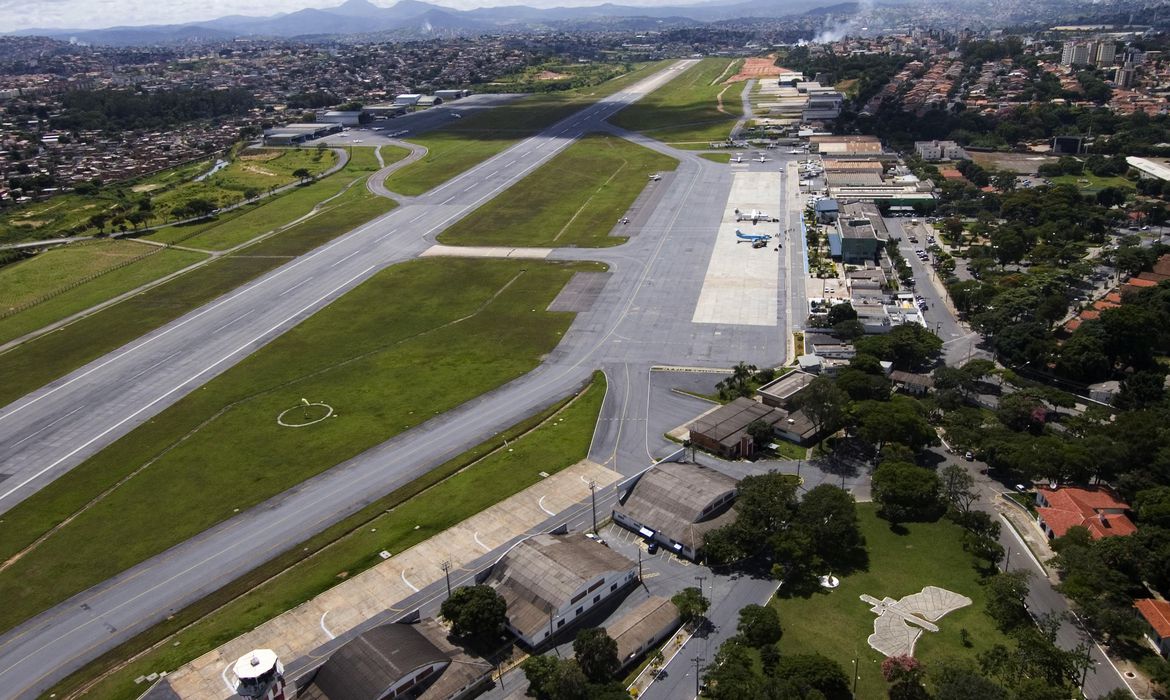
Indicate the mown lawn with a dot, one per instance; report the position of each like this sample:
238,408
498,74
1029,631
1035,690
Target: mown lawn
453,492
685,110
1089,183
572,200
40,361
469,141
837,623
50,272
457,329
717,157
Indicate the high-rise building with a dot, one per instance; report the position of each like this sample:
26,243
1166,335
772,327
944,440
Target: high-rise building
1077,53
1126,75
1106,53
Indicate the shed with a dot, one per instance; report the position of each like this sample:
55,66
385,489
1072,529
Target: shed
678,503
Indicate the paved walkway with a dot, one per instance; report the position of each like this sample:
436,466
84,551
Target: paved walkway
299,631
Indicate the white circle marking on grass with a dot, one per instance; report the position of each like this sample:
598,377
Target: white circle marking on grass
280,420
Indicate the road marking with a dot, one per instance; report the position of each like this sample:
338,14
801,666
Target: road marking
217,330
165,359
295,286
324,628
417,217
181,384
480,542
448,200
50,425
344,259
412,586
541,504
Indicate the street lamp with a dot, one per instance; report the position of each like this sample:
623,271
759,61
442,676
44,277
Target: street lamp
445,565
593,498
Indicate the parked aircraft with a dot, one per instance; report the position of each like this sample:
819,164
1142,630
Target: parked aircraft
738,158
752,237
656,176
761,159
755,216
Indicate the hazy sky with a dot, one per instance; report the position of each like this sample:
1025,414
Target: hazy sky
88,14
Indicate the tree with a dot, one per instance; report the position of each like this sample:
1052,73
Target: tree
839,313
957,483
739,383
302,174
596,654
1005,599
761,433
805,672
829,515
899,420
909,346
540,672
759,625
475,612
906,492
823,403
954,680
732,675
691,604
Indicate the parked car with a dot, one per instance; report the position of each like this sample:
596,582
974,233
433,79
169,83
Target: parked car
652,548
970,456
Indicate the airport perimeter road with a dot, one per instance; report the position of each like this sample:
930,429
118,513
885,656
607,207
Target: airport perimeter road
642,315
50,431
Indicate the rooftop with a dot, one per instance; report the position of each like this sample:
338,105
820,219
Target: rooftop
787,386
644,622
1157,613
676,499
1070,506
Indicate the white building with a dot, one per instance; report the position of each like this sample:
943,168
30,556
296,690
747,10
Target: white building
940,150
1077,53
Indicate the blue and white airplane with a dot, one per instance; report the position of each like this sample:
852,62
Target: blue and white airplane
752,237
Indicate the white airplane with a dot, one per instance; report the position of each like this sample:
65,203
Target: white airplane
737,159
761,159
656,176
794,152
755,216
752,237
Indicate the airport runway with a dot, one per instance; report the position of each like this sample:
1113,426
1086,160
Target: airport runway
641,317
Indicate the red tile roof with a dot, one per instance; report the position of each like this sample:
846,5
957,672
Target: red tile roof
1090,315
1069,507
1139,282
1157,613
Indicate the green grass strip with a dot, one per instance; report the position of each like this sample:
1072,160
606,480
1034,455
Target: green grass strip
572,200
687,108
33,364
414,341
468,142
550,441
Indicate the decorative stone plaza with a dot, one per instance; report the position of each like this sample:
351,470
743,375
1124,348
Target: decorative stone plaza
900,622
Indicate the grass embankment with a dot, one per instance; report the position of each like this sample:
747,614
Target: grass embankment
1091,184
249,172
63,281
466,142
479,478
685,111
717,157
836,624
572,200
456,329
41,360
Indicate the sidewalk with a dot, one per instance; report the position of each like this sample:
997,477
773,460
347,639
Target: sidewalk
299,631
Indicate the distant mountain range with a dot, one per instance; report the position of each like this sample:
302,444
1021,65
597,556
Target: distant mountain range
421,18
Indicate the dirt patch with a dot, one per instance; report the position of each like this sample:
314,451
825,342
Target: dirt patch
549,75
261,156
1021,163
145,188
29,223
757,68
258,171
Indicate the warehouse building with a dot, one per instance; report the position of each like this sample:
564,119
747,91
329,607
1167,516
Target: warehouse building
550,581
397,661
676,505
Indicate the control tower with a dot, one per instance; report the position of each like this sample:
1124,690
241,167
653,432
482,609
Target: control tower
259,675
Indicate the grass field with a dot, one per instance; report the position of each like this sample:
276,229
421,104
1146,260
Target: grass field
50,272
572,200
241,225
685,110
837,624
717,157
1091,184
39,361
453,492
249,172
383,367
476,138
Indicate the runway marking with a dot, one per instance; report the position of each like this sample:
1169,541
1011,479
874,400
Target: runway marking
231,688
417,217
448,200
165,359
324,628
181,384
217,330
295,286
50,425
540,503
402,575
480,542
344,259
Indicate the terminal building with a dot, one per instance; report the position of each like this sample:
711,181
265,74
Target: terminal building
551,581
677,504
293,134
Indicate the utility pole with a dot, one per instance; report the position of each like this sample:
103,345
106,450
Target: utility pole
698,662
700,579
446,567
639,563
593,498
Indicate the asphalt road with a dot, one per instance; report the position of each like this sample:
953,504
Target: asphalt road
642,317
